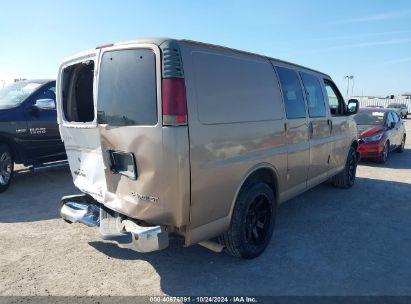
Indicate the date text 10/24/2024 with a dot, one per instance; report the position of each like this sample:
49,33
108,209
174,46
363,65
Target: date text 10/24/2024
167,299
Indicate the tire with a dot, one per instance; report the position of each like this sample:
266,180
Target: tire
401,148
6,167
383,158
252,222
346,178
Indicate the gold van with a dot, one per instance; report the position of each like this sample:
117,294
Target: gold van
175,137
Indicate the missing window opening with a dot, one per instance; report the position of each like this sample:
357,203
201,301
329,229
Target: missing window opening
78,102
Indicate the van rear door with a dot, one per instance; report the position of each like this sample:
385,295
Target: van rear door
120,149
78,122
131,135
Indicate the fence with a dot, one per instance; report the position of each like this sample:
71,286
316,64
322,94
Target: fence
364,102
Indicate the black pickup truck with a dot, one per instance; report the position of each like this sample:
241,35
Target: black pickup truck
29,133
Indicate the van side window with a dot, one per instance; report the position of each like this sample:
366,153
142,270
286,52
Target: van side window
314,94
335,100
233,89
292,93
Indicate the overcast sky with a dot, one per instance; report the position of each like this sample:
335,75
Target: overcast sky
368,39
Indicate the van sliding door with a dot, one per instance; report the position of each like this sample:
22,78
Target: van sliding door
298,146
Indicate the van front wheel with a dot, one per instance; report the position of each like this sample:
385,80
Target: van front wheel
346,178
252,222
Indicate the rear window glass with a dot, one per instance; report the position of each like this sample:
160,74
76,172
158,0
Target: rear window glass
369,118
127,88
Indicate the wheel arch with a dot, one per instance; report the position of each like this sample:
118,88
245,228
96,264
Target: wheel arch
262,172
355,145
12,145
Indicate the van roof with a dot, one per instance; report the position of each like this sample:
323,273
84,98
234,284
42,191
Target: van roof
160,40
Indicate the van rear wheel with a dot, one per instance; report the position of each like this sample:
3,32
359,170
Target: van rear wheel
252,222
346,178
6,167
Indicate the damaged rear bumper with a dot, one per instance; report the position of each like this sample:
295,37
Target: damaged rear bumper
127,233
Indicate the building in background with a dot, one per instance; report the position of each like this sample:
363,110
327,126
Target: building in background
367,101
407,95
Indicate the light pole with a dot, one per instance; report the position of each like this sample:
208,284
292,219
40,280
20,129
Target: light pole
352,87
348,77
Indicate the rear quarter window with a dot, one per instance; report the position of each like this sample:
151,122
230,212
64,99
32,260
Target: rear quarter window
235,89
127,88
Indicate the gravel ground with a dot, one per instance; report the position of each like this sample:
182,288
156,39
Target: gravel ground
327,242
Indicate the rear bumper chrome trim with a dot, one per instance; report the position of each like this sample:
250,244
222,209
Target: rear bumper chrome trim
128,234
76,210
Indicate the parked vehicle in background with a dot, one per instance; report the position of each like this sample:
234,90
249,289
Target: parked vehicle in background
401,109
380,131
197,140
29,132
375,107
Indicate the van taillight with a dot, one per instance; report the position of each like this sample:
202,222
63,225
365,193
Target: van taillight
174,102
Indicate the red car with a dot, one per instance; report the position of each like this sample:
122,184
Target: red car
380,131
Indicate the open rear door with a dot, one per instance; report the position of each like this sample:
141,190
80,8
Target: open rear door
77,118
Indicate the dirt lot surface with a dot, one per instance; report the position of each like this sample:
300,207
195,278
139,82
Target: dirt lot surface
327,242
